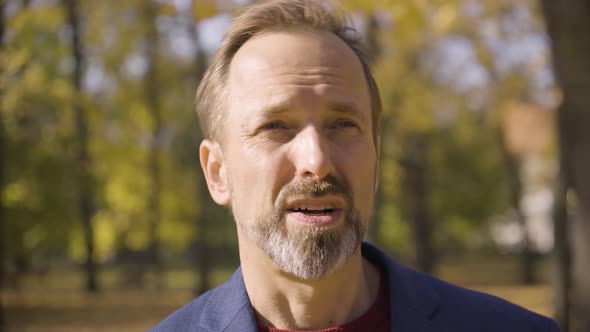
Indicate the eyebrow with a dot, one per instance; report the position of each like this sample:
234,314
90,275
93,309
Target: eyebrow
346,108
275,110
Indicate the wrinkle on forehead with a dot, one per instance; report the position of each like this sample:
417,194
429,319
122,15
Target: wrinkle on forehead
306,79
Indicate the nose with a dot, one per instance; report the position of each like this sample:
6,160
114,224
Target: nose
311,155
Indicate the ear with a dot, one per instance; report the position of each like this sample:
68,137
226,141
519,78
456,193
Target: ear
215,171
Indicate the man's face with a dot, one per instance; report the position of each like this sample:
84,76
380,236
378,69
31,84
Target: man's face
298,149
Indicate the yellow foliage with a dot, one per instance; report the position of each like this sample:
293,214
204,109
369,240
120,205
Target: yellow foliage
16,59
137,240
76,247
14,193
21,193
445,17
139,114
203,9
104,236
33,236
459,228
177,234
61,88
369,6
9,102
167,9
49,17
394,231
35,79
416,115
124,193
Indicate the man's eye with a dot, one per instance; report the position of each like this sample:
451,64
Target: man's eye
345,124
274,125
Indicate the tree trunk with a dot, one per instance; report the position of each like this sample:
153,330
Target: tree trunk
561,224
568,24
84,161
415,203
562,258
513,170
2,167
151,93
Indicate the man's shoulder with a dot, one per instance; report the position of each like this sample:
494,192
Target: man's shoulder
222,308
417,296
186,318
475,310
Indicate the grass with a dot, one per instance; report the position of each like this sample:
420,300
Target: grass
54,302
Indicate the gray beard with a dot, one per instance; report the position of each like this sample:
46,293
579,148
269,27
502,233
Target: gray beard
309,253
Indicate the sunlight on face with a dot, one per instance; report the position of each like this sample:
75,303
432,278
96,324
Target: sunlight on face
299,149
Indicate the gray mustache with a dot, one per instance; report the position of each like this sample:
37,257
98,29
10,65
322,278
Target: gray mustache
315,188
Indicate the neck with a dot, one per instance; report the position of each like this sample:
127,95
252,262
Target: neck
284,301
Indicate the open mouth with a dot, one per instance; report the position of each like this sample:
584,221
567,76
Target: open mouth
321,212
314,212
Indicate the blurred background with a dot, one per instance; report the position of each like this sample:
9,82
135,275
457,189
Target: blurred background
107,226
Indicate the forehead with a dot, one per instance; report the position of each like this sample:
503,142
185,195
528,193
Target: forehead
275,62
294,48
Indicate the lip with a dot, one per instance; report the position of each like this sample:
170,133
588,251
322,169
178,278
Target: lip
330,200
336,203
315,220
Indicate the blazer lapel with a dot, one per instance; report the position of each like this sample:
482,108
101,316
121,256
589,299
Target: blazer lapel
413,300
228,309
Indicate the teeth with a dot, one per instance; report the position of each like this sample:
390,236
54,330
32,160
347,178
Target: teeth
304,207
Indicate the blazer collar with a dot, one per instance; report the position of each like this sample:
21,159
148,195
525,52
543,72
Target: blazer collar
413,299
228,308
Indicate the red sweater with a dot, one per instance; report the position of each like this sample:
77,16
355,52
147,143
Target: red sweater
376,319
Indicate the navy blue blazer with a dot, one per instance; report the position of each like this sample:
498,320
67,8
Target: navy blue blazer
418,303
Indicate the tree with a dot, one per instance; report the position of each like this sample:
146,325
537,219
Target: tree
153,104
566,20
40,182
512,165
2,227
84,161
410,113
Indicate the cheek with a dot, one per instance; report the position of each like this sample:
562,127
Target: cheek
359,169
359,159
256,180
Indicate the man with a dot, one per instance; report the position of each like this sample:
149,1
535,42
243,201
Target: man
290,112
